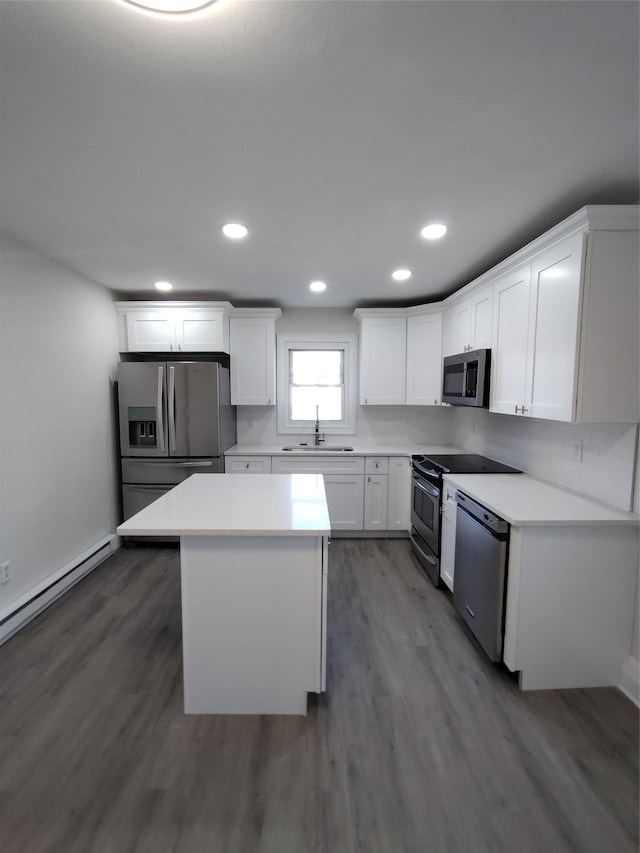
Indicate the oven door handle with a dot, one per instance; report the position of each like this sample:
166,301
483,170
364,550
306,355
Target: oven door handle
425,487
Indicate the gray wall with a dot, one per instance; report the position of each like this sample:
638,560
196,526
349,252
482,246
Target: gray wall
58,476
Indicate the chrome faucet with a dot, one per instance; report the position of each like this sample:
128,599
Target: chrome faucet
318,436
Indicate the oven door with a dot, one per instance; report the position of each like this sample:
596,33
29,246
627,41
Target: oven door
425,512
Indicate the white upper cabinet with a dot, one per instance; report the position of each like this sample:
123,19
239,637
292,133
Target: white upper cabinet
424,359
565,326
173,326
253,357
383,343
510,333
468,322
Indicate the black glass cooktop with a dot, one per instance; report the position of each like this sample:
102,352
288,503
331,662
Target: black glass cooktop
467,463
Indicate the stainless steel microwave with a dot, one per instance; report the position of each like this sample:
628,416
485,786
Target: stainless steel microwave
465,378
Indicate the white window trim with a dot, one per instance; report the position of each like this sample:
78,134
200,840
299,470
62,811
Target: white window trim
348,343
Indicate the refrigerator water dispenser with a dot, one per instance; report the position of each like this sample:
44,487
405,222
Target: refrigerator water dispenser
142,426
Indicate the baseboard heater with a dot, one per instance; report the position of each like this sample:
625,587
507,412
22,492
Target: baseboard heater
38,599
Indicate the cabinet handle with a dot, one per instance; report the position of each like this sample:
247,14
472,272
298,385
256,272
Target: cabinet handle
524,410
517,408
247,464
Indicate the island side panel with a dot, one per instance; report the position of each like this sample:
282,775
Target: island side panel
251,623
570,604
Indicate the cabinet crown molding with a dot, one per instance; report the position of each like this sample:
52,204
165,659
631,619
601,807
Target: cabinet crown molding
124,307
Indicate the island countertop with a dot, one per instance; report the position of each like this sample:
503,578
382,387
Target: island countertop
236,505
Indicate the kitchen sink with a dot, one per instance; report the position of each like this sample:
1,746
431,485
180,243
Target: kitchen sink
325,448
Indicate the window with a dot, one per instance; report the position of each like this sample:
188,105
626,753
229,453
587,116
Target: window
316,370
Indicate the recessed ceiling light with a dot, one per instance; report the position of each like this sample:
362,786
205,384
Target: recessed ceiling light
317,286
168,8
401,275
434,231
164,285
234,230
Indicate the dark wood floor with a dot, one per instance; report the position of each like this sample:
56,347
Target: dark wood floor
420,745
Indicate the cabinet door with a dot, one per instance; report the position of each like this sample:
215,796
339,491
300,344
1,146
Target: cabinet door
375,502
253,361
510,341
399,493
481,316
345,496
448,545
458,327
424,360
383,342
201,331
553,331
150,331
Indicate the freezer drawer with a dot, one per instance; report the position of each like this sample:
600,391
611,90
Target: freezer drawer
167,472
135,498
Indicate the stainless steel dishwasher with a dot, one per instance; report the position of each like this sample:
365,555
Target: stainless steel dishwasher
479,587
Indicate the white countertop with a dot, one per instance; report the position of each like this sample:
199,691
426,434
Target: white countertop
236,505
525,501
358,449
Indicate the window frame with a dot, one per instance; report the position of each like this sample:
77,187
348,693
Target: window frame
349,346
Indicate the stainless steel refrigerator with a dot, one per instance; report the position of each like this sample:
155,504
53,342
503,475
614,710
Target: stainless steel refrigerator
176,419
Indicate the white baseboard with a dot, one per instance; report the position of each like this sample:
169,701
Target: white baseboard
630,680
26,608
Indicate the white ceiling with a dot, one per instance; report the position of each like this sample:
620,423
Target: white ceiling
334,129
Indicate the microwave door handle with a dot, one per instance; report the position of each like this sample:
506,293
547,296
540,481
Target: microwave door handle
160,407
172,409
465,390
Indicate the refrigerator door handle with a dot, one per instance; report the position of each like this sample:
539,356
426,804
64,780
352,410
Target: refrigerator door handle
172,414
160,408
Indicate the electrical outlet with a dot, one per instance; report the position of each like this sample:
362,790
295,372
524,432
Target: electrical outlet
577,450
252,423
5,574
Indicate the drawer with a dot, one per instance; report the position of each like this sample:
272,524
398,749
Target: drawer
324,465
376,465
247,464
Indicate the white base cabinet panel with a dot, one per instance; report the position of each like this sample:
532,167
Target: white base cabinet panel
571,595
375,502
399,493
253,623
345,500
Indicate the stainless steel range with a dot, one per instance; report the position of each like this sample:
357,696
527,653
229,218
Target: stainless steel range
426,501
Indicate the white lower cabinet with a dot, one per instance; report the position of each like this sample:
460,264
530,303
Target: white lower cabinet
399,493
375,501
345,500
448,544
370,493
343,482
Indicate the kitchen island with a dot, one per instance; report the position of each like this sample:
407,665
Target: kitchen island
253,565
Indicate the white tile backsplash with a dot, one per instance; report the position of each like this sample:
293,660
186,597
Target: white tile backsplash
546,449
375,425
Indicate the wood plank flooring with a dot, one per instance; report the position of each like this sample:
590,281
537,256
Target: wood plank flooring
420,745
